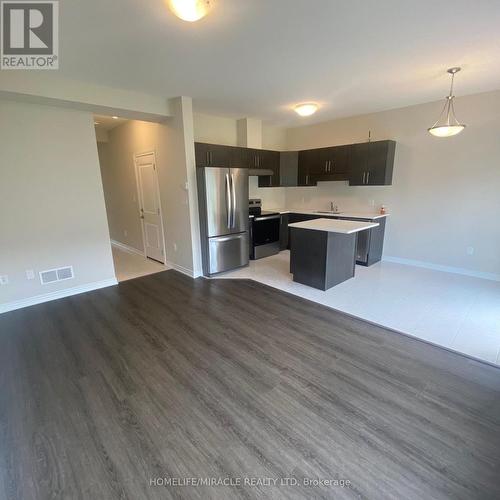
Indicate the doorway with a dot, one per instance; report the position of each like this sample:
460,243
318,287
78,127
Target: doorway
149,205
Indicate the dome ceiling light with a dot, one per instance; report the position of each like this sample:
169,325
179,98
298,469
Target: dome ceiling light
447,124
306,108
190,10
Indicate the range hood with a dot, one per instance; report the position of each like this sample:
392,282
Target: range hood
260,172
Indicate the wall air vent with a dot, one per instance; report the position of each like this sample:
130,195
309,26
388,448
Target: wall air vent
54,275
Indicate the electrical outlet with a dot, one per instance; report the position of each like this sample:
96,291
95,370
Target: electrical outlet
125,233
30,274
4,280
372,203
175,247
470,250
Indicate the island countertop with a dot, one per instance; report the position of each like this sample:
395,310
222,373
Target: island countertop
334,225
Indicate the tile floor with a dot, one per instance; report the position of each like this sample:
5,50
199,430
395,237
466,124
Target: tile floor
129,265
454,311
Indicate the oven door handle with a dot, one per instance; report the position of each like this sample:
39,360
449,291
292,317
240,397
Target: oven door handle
265,217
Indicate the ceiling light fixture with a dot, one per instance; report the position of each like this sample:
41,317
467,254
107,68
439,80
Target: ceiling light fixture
306,108
190,10
115,117
447,123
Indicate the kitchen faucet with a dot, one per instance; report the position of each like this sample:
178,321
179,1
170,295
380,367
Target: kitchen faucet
333,208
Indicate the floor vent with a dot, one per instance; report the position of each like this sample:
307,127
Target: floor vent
54,275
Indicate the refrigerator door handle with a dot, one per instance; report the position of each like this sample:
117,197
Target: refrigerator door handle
233,202
229,209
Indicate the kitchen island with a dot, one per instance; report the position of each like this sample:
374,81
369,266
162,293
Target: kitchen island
323,251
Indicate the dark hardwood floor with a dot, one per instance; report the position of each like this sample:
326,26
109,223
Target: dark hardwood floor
168,377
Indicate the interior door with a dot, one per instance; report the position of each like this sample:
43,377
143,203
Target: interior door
149,201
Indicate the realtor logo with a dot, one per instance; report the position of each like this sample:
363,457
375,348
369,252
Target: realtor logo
30,35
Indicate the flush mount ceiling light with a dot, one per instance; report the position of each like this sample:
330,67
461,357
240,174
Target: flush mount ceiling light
447,123
190,10
306,108
114,117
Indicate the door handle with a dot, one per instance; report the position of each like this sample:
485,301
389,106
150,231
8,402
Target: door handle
228,201
233,225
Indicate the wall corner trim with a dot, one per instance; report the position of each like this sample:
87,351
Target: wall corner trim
445,269
59,294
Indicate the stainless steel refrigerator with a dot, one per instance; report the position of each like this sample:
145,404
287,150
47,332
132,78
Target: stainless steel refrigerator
223,206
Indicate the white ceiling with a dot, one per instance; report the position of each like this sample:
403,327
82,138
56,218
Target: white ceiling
259,57
104,122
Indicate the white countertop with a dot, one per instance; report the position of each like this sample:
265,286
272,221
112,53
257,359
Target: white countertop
341,215
334,225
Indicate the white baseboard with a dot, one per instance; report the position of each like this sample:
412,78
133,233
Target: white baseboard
181,269
127,248
60,294
445,269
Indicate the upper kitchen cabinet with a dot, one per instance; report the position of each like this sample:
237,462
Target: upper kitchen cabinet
333,163
269,161
289,168
216,155
372,163
308,164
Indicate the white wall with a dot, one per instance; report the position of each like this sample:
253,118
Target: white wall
173,144
51,200
445,192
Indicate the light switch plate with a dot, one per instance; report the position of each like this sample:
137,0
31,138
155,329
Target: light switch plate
30,274
4,280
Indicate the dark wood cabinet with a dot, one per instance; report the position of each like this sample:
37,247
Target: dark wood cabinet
308,162
365,164
369,243
283,232
269,160
217,155
289,168
372,163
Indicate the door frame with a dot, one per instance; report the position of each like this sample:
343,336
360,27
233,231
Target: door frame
139,202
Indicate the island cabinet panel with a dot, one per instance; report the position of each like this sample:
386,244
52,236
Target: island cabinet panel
292,218
372,163
321,259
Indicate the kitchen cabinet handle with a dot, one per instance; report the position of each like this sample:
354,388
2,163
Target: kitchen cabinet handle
367,177
207,157
364,176
307,178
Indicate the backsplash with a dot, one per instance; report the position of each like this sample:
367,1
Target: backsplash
347,198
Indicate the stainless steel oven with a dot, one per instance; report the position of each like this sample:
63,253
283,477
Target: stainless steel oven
264,231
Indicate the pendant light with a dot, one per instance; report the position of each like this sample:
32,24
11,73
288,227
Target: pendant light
447,123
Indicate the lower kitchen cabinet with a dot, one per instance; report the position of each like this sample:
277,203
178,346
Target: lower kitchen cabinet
370,243
284,232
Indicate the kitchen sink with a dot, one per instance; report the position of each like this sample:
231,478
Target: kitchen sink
327,212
